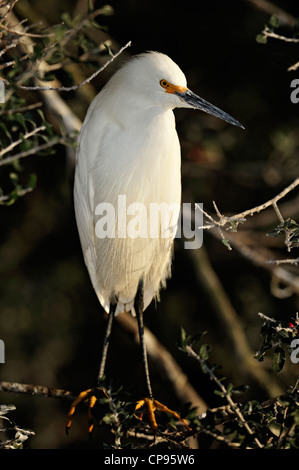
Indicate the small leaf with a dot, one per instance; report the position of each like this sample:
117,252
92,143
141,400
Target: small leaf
240,389
14,178
21,120
204,351
278,359
59,31
226,243
32,181
274,21
275,428
261,38
107,10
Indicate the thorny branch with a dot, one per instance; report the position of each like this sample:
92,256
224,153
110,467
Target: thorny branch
223,389
241,217
230,223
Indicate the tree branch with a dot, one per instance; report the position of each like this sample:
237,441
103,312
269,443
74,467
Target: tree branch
36,390
79,85
14,144
37,148
269,8
223,308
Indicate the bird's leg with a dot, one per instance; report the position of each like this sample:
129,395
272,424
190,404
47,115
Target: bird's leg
138,305
149,402
106,343
91,393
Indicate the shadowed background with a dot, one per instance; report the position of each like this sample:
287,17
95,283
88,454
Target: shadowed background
50,319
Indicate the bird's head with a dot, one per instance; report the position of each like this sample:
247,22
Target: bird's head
155,79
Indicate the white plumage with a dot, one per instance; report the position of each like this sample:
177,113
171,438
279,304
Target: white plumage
128,148
128,145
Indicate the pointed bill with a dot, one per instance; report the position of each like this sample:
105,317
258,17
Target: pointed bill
198,103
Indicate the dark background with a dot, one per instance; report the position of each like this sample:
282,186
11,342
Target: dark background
50,318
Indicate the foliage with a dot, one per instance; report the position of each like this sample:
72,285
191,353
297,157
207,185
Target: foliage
35,60
278,336
270,31
14,435
31,59
250,424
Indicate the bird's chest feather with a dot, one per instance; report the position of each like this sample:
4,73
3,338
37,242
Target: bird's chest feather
143,161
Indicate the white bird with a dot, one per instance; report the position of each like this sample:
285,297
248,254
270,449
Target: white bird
128,146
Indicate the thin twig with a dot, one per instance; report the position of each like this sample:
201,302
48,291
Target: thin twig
223,220
37,148
84,82
24,33
20,192
294,261
225,393
266,32
229,320
293,67
19,141
36,390
21,109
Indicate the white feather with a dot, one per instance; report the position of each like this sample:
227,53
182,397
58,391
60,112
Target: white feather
128,145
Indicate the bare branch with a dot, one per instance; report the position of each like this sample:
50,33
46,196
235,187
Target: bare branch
14,144
84,82
21,192
260,258
36,390
24,33
270,34
36,149
228,397
293,67
223,220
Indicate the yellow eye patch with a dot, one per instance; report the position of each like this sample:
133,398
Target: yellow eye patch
170,88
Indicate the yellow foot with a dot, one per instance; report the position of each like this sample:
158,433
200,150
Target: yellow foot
89,394
153,405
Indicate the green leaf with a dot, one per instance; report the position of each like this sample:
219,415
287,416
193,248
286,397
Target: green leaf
32,181
7,133
204,351
278,359
14,178
21,120
240,389
107,10
274,21
226,243
59,31
261,39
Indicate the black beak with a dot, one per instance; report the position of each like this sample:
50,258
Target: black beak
198,103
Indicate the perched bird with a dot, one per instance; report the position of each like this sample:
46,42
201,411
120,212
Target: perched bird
128,146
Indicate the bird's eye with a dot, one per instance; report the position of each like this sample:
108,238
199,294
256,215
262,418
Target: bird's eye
164,83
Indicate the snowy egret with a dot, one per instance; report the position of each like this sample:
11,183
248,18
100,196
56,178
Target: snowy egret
128,146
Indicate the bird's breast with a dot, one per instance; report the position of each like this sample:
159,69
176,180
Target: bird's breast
143,160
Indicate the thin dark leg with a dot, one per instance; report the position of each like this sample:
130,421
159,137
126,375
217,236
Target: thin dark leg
106,342
138,305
